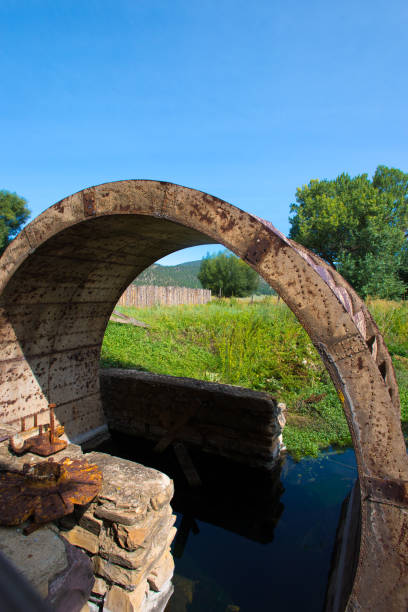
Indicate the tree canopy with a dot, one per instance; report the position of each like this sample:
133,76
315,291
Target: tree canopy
227,275
359,226
13,214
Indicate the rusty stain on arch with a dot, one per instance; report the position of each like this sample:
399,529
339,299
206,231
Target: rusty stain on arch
62,276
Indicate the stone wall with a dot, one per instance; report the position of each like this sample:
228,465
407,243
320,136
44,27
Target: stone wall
237,423
128,530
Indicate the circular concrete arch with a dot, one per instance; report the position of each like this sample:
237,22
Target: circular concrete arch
62,276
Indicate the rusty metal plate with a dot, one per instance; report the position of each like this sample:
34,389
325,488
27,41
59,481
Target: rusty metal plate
41,445
47,491
393,492
89,203
346,347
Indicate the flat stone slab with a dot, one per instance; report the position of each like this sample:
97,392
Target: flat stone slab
129,490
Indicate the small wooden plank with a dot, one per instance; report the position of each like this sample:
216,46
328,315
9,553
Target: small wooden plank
186,464
119,317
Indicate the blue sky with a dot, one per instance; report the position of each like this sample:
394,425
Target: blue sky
246,101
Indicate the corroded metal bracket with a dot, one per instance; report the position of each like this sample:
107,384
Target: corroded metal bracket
393,492
347,347
88,197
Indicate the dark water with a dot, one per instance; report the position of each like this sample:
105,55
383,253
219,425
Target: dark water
252,540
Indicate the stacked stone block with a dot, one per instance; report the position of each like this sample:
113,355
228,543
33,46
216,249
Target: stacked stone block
127,532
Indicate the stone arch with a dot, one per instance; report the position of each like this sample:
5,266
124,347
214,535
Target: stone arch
61,277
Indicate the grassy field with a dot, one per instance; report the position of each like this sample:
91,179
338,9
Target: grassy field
257,345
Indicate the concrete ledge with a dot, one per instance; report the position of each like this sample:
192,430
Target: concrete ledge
92,438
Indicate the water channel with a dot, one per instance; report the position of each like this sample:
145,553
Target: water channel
252,539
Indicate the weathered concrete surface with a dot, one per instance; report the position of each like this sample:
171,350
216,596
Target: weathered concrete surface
70,590
40,556
237,423
60,573
61,277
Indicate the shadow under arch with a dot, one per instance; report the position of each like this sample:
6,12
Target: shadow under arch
60,280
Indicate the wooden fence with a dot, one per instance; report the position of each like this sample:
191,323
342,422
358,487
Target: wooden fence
149,295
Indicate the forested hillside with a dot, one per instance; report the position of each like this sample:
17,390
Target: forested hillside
182,275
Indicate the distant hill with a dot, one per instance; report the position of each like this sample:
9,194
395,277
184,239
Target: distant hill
182,275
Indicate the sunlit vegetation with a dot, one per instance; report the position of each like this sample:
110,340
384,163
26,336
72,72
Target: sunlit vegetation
255,344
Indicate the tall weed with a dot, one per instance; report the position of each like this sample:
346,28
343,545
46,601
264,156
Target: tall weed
392,319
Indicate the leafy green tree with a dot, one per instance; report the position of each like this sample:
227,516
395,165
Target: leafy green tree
359,226
227,275
13,214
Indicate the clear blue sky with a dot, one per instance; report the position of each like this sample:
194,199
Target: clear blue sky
246,101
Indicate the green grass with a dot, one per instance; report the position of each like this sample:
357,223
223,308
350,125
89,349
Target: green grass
260,346
257,345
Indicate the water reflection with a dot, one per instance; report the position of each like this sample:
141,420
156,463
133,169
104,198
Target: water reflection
252,540
289,573
242,500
